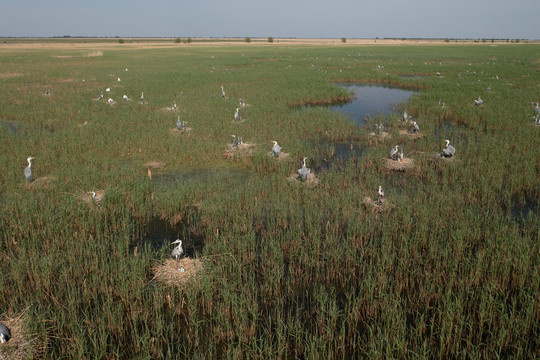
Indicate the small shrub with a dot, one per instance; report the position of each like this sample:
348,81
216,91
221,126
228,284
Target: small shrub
270,39
247,39
121,41
189,40
343,40
177,40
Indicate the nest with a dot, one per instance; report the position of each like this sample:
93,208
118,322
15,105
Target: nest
377,206
40,183
177,132
439,157
410,135
244,149
22,345
154,165
282,155
170,272
404,164
87,198
170,109
382,135
311,180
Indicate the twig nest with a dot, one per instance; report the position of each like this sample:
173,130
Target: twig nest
377,206
311,180
244,149
22,345
410,135
438,157
381,135
402,165
178,273
282,155
154,165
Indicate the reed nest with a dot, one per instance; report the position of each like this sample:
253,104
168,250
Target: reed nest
177,132
170,273
22,344
381,135
154,165
87,197
244,149
311,180
437,157
170,109
282,155
376,206
404,164
40,183
410,135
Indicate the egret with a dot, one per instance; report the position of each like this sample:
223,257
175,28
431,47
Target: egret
478,102
5,334
449,150
177,251
237,116
28,169
276,149
108,89
415,128
178,124
303,172
125,97
118,80
393,153
235,142
381,194
222,92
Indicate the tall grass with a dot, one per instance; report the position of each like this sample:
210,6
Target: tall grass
290,271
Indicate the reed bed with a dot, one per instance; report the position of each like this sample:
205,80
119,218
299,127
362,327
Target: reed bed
450,270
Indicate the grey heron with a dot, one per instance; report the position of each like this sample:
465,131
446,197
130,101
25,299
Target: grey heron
237,116
235,142
142,97
380,191
415,129
379,128
47,92
111,101
28,169
276,149
478,102
405,116
537,109
400,155
449,150
222,92
5,334
303,172
178,251
178,124
393,152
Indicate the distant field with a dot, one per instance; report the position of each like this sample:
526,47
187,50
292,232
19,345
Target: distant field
447,267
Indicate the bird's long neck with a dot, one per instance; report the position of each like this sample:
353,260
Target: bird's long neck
29,162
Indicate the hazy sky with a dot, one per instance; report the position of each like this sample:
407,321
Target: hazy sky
278,18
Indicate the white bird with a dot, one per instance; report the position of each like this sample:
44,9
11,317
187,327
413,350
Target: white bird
118,80
125,97
415,128
28,169
126,69
94,196
449,150
276,149
393,152
222,92
177,251
537,109
108,89
303,172
100,97
5,334
380,191
236,115
405,116
111,101
142,97
478,102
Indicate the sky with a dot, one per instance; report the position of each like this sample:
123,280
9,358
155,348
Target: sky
517,19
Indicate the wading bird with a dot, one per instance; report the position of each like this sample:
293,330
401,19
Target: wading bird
118,80
537,109
47,92
415,129
276,149
177,251
381,194
379,128
222,92
303,172
478,102
405,116
393,153
100,97
449,150
5,334
142,97
111,101
125,97
178,124
237,116
28,169
108,89
235,142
